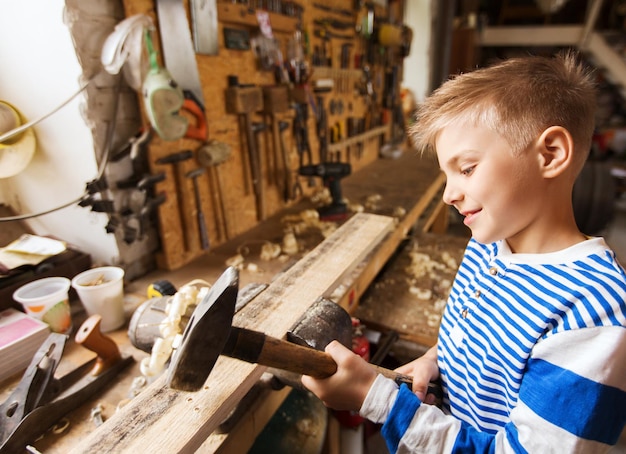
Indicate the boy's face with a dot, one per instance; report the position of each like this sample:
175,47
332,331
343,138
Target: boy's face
497,192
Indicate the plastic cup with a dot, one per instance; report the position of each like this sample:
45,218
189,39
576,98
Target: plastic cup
47,300
101,291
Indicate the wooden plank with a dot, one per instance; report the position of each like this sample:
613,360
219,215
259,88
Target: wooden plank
438,220
248,428
526,35
165,420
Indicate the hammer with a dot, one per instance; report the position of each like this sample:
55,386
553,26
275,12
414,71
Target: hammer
175,159
209,333
204,234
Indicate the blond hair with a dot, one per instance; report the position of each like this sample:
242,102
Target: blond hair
518,99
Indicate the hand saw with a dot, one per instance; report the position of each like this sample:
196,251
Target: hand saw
180,58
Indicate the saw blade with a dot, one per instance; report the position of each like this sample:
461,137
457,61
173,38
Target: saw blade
178,50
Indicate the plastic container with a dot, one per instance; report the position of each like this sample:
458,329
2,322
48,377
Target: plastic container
101,291
47,300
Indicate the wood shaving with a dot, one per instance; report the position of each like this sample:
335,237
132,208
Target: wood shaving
373,201
399,212
290,244
235,261
270,251
321,197
356,208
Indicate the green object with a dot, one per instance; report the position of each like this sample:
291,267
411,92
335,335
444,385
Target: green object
163,98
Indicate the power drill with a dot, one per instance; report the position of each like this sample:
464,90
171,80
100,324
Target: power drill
331,173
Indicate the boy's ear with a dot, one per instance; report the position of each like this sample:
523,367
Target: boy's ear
555,151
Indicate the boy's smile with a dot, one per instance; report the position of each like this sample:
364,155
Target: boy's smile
499,194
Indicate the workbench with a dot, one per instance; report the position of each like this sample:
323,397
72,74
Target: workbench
411,183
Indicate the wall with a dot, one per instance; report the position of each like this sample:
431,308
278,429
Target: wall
416,76
67,156
40,70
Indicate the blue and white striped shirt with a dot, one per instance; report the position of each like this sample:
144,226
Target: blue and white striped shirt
532,356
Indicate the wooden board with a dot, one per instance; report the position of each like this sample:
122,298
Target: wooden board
165,420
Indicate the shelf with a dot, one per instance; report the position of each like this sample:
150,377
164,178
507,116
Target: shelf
243,15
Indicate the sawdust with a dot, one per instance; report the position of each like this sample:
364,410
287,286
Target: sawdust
410,295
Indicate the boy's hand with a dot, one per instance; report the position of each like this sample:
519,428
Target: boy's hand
424,370
348,387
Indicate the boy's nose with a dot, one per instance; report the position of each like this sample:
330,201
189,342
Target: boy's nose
451,194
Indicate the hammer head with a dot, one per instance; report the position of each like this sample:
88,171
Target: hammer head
205,334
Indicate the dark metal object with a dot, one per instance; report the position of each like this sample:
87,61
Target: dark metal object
236,39
204,234
192,361
289,189
331,173
175,159
253,131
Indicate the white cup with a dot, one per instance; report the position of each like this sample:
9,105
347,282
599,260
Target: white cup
47,300
101,291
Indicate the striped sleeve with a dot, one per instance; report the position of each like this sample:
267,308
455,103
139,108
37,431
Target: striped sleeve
571,400
573,397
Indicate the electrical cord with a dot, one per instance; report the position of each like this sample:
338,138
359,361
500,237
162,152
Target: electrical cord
106,147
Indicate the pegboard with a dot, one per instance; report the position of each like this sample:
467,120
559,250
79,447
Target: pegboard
335,55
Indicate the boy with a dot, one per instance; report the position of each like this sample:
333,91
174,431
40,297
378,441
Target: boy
531,351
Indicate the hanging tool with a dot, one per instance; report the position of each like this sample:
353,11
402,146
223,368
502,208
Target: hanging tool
175,159
321,124
301,136
180,60
210,333
212,154
204,234
41,399
290,186
275,101
204,21
244,101
257,129
163,98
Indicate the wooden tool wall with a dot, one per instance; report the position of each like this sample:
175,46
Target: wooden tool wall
226,193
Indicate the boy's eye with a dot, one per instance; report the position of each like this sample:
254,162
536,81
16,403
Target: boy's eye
467,170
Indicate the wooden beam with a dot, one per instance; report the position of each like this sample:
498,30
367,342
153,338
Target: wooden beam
164,420
540,35
605,57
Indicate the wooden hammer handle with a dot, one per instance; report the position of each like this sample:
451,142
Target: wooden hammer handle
90,336
256,347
